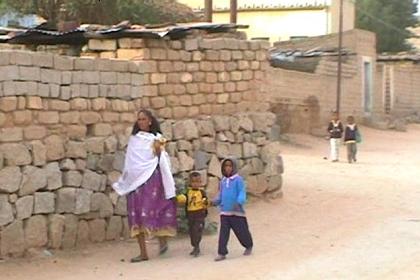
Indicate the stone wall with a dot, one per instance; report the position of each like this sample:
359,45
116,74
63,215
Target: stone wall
55,178
176,78
196,75
65,123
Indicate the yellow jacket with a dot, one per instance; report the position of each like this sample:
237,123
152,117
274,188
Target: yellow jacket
195,199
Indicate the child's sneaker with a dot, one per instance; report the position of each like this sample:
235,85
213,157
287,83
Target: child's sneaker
248,251
195,252
220,258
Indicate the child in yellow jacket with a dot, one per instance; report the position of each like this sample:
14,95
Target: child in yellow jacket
196,203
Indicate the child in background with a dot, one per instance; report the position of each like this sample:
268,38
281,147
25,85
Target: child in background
195,200
335,129
231,200
350,139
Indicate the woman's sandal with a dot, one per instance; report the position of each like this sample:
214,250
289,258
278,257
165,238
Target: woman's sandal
138,259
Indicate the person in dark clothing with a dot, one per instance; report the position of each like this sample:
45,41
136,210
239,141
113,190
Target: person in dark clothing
335,130
350,139
231,200
196,203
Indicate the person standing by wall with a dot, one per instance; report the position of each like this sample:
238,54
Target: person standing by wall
148,183
196,203
231,200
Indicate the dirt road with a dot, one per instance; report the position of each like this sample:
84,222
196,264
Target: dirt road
335,221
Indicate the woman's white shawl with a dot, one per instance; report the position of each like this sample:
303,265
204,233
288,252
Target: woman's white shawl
141,162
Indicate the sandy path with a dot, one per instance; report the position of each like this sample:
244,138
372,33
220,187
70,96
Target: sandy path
336,221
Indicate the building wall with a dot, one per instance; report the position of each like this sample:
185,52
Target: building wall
361,41
225,4
291,93
285,86
299,88
405,85
282,20
349,16
271,23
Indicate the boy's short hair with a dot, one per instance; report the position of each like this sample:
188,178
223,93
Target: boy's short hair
350,118
195,174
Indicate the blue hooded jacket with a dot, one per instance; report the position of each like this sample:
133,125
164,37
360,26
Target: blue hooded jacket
232,192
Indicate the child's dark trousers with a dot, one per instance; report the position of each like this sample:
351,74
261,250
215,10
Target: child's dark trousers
239,225
351,151
196,226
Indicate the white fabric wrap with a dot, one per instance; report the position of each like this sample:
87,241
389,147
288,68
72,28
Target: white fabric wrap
141,162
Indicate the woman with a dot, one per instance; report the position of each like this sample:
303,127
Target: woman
148,183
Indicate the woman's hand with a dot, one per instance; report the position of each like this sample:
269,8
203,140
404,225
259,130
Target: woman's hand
157,147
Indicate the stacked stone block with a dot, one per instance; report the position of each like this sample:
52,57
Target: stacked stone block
178,79
56,176
52,173
202,143
65,124
198,75
63,78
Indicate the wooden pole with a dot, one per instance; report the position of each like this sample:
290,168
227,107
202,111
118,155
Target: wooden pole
208,10
340,47
233,11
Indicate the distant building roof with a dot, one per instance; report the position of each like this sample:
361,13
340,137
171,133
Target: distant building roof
259,4
302,60
17,20
400,57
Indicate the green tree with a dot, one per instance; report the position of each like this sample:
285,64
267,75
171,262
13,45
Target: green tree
389,19
3,7
105,11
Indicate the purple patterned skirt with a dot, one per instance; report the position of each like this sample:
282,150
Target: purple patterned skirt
148,210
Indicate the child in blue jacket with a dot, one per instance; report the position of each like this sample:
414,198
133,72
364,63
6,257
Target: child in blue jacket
231,200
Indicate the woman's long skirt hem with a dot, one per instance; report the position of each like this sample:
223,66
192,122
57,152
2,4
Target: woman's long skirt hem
149,212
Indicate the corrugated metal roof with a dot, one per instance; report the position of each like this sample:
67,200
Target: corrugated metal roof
289,55
46,37
7,30
82,34
302,60
415,57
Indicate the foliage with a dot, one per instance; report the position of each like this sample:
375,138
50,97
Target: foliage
105,11
389,19
3,7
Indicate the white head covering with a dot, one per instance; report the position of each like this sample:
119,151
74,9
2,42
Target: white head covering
141,162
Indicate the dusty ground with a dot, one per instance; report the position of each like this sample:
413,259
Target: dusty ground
336,221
